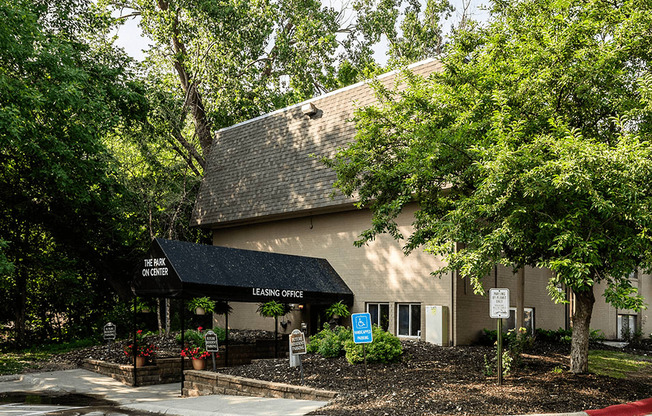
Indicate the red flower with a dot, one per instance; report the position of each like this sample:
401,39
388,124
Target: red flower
200,328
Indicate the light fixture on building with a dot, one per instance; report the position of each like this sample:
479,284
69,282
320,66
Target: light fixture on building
309,109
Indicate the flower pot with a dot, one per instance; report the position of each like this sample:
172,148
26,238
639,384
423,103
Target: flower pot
198,364
199,311
140,362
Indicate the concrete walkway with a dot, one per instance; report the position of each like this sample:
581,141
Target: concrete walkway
164,398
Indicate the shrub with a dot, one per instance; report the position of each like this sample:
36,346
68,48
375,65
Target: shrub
596,335
221,334
329,343
385,348
488,337
192,337
565,335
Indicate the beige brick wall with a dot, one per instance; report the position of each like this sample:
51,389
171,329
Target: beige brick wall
472,311
605,316
378,272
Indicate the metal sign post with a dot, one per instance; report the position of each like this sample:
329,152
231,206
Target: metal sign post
298,347
362,334
499,309
212,345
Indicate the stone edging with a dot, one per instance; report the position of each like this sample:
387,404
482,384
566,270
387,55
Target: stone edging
166,370
201,383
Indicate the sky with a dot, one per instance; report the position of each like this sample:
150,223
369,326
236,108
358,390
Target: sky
134,43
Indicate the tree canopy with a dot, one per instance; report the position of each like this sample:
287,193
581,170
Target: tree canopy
61,197
228,61
531,147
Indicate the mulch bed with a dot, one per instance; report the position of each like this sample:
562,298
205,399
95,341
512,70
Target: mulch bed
432,380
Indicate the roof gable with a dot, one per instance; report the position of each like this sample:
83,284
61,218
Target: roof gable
268,167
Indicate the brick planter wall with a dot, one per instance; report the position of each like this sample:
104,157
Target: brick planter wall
166,370
202,383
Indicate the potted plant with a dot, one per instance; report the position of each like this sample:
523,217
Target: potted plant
337,310
144,351
142,306
198,356
201,306
195,348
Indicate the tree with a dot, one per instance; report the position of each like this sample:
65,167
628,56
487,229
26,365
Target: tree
531,147
228,61
61,200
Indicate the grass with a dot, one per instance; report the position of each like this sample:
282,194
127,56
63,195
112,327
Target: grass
617,364
14,362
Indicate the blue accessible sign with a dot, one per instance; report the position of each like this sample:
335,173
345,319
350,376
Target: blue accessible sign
361,328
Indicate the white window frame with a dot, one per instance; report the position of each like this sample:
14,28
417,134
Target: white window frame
378,305
398,322
512,313
632,322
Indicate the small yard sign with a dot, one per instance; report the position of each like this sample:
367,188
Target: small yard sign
499,303
499,309
109,331
211,341
297,342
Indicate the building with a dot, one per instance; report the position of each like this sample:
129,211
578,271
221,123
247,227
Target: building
266,189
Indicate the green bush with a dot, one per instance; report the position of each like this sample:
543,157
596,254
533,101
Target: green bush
488,337
385,348
551,336
195,337
565,335
329,343
221,334
192,337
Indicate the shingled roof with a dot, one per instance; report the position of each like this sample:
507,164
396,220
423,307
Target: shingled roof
263,168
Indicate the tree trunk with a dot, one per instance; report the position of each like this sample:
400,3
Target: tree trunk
193,99
158,316
580,321
21,308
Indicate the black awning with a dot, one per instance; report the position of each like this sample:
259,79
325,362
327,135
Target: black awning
177,269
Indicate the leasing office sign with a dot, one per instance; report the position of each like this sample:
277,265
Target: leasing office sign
278,293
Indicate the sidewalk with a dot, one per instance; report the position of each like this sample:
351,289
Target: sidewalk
163,398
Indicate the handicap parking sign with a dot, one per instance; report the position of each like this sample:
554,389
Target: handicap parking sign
361,328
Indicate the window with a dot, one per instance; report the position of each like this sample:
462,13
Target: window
528,319
379,314
408,319
626,326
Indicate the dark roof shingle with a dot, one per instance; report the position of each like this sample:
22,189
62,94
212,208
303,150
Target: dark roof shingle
269,166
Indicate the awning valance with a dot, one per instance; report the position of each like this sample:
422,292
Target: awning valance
177,269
